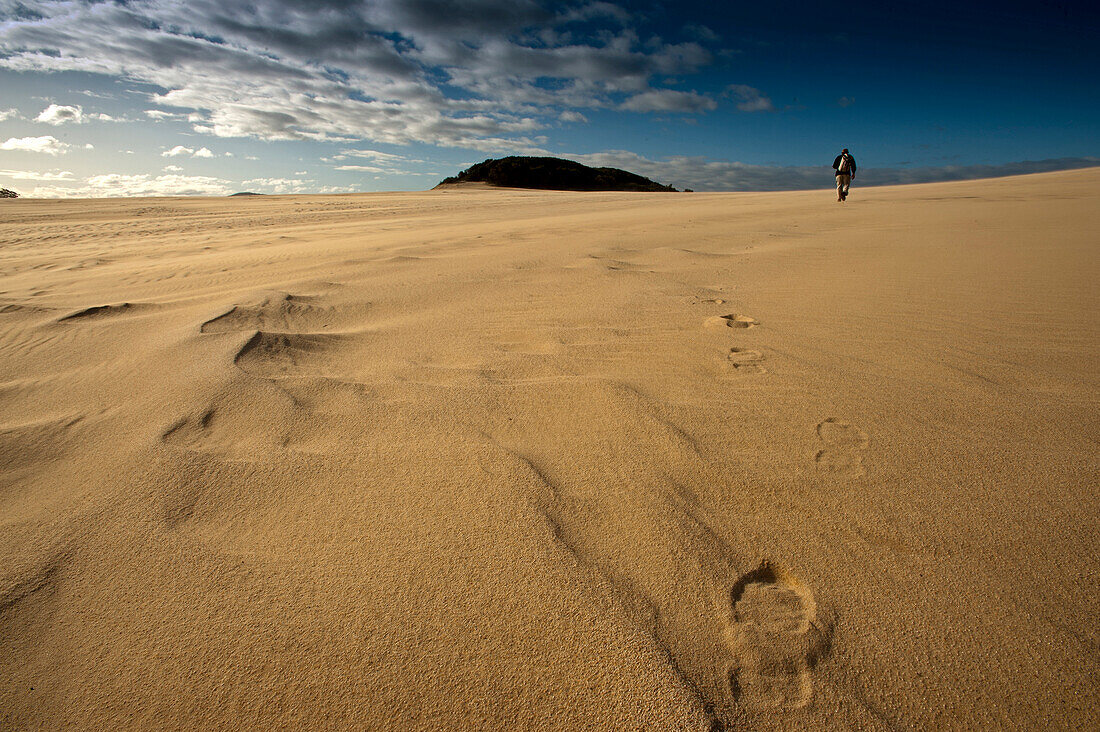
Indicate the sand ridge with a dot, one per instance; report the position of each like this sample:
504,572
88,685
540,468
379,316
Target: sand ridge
499,459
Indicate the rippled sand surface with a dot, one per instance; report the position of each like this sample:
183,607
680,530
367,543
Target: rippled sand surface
492,459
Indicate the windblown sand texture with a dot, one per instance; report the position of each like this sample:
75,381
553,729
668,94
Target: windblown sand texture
493,459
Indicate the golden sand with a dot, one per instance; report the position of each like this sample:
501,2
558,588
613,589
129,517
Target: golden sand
491,459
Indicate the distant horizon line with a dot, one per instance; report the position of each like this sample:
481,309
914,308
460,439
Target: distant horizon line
866,178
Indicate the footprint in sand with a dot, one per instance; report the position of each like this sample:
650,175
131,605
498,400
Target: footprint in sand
741,361
777,639
733,320
842,447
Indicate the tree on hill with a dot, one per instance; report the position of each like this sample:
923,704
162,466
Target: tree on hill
552,174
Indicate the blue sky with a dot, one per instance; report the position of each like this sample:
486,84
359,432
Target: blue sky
162,97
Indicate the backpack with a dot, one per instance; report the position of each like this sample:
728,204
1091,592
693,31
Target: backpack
845,164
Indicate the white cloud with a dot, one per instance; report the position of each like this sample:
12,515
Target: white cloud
113,185
281,185
572,116
505,145
202,152
668,100
596,9
94,95
172,169
180,150
379,171
372,154
159,114
36,175
58,114
377,156
382,162
750,99
6,114
701,31
47,144
363,168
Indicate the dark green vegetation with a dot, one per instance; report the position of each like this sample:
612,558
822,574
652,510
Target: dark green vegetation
552,174
5,193
245,193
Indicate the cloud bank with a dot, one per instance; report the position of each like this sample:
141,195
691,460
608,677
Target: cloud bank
701,174
115,185
36,175
481,74
47,144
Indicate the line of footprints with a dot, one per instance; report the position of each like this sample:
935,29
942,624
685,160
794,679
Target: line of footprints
777,635
842,443
738,361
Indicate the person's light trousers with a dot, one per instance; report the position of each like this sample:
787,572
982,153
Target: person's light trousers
843,181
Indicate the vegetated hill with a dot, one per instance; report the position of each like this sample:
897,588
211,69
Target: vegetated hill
5,193
245,193
552,174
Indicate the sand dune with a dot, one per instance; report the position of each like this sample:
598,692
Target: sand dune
495,459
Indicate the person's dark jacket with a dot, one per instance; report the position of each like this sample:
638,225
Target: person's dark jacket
851,165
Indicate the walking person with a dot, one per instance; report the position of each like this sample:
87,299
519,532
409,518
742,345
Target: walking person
845,167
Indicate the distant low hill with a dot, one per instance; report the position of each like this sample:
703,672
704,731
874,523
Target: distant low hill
5,193
552,174
245,193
